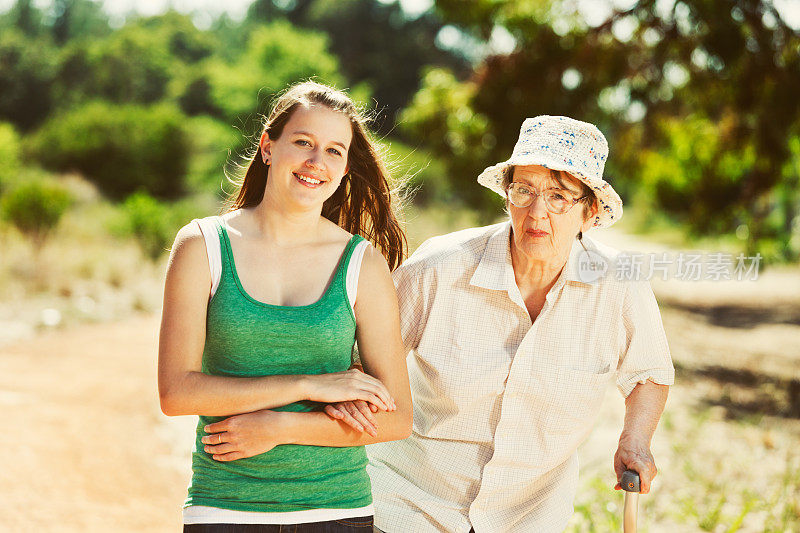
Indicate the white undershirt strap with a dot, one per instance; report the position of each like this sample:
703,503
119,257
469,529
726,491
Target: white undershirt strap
208,226
353,270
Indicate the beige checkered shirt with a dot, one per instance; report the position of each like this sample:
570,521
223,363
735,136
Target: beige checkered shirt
501,404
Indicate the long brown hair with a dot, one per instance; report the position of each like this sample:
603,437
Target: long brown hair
363,202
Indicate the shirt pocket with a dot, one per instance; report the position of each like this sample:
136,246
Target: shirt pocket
571,399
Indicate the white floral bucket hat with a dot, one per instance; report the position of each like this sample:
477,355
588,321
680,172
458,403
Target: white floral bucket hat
562,143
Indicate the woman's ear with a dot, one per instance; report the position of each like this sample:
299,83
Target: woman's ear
264,147
588,222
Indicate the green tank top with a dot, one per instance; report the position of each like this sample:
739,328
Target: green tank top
245,337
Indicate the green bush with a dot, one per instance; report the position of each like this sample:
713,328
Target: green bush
9,154
129,66
35,207
121,148
154,223
423,173
441,113
26,74
147,219
212,142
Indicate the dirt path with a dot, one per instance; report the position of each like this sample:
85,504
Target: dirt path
86,446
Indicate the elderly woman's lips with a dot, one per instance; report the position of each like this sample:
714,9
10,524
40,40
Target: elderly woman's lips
536,233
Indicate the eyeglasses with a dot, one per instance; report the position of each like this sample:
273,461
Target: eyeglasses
555,200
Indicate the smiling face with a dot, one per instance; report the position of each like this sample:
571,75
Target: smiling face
308,159
539,234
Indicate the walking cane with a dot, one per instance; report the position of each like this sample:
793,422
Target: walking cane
630,484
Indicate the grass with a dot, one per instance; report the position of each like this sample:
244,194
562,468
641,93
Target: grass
715,475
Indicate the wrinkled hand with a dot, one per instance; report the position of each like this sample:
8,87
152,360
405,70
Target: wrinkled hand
634,454
242,435
357,414
349,385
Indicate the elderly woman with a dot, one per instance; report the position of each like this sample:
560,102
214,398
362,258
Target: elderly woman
513,344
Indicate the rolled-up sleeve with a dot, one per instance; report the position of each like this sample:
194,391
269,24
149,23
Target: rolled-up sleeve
645,355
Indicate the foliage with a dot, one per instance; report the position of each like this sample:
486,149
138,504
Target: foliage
35,207
146,219
214,144
121,148
130,66
9,154
74,19
180,38
275,55
25,17
420,172
388,52
657,78
692,176
441,114
153,223
26,73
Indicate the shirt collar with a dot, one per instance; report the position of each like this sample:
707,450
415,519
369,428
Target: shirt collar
571,269
494,269
496,272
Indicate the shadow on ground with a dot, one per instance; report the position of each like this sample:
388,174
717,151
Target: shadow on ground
739,316
744,393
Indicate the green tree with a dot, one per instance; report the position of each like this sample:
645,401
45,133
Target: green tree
130,66
178,35
26,74
147,219
386,38
276,55
35,208
78,19
655,77
441,115
388,52
154,223
122,148
25,17
10,151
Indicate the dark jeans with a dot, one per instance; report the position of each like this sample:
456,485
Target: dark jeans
360,524
376,530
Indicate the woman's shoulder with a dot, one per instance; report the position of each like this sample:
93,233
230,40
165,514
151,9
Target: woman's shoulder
189,242
188,234
188,254
453,251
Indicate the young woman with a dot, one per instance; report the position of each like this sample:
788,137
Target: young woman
262,306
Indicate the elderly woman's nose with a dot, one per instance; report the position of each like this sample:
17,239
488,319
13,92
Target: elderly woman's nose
538,208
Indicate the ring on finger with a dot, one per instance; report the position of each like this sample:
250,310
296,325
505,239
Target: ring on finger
219,438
